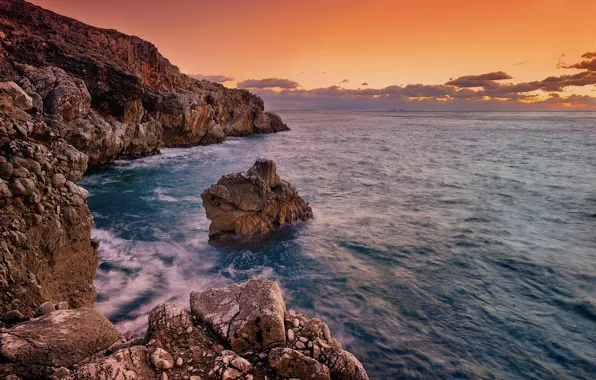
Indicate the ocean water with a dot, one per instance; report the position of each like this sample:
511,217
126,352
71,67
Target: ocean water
444,245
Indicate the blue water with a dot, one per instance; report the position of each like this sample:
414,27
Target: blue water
449,245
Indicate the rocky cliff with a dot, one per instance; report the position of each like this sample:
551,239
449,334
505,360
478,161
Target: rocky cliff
111,95
73,96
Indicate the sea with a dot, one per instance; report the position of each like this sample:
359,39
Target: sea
444,245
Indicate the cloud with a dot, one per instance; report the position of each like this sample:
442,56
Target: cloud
482,92
268,83
479,80
212,78
344,81
588,64
520,63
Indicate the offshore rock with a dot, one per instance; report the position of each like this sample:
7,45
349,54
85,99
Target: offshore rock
248,316
252,203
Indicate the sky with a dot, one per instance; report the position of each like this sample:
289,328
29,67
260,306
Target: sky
373,54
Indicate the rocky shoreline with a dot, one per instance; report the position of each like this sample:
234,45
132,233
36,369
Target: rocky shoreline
74,97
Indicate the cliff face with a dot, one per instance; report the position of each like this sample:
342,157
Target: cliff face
74,96
112,95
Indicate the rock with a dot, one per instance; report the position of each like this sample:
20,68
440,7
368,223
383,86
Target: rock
179,362
290,335
345,366
161,359
249,316
61,373
127,363
290,363
62,306
6,170
254,203
17,96
45,308
13,316
167,316
21,173
59,339
58,180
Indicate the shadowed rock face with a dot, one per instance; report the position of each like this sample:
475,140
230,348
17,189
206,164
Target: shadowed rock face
252,203
111,95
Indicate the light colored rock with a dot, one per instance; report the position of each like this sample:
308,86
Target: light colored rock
125,364
179,362
161,359
290,363
17,96
248,315
296,323
290,335
59,339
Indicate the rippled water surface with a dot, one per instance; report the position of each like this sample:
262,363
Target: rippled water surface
452,245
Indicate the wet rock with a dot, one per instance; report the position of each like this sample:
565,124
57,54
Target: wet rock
290,363
253,203
249,316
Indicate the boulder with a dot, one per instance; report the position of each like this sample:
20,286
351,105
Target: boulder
59,339
252,203
248,316
345,366
16,95
293,364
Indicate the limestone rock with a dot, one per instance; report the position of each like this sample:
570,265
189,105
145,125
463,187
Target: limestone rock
126,364
290,363
345,366
59,339
253,203
249,316
17,96
161,359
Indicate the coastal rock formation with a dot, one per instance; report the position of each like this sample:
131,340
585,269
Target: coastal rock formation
111,95
231,312
252,203
46,252
73,96
81,344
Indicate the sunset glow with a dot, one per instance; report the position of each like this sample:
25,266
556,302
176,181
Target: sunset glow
371,45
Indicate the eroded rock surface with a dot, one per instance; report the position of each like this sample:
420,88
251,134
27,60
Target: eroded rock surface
111,95
59,339
252,203
73,96
234,333
248,316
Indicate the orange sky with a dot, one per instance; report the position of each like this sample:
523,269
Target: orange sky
376,41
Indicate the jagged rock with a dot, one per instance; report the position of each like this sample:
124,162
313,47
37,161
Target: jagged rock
125,364
249,316
16,95
59,339
111,95
345,366
253,203
167,316
290,363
